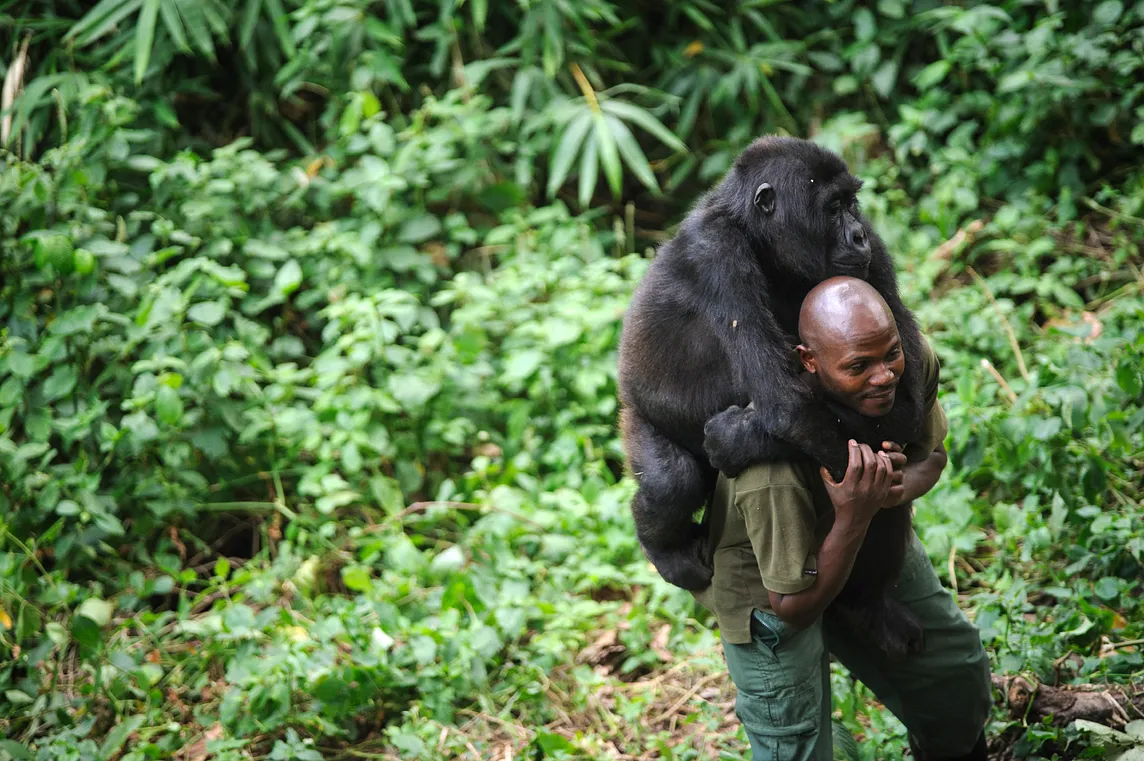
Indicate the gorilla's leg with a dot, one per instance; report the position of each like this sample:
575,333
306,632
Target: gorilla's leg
864,603
891,626
671,486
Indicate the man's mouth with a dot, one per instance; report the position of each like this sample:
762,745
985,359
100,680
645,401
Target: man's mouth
881,396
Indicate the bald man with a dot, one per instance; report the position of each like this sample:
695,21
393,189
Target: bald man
784,537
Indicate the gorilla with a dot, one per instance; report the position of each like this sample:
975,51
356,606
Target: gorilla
708,379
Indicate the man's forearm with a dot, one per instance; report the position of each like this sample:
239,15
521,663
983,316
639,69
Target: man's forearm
919,477
835,560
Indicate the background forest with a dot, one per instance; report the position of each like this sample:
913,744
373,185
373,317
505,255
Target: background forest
308,325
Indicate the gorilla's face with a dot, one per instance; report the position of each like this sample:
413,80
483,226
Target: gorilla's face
803,208
851,250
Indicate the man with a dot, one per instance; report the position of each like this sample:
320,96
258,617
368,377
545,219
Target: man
784,537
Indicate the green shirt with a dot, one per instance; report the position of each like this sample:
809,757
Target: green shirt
766,525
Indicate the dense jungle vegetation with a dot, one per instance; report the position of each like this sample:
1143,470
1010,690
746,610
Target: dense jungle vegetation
308,325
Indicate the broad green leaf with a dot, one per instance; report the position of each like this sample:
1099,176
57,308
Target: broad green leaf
145,37
168,405
351,458
209,313
931,75
97,610
550,742
448,561
356,578
20,364
522,364
645,119
68,507
10,391
288,279
118,736
85,632
1108,12
566,151
609,155
331,502
633,155
1128,376
75,321
885,78
18,697
1107,589
17,751
420,228
60,383
865,27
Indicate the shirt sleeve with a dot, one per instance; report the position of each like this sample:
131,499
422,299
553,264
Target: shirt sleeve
936,425
780,521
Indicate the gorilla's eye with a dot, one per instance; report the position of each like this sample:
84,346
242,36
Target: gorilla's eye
834,206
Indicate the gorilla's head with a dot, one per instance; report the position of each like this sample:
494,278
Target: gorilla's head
798,202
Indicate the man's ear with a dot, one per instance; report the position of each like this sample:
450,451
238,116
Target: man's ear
806,356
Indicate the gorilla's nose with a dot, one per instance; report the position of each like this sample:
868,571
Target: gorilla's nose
856,237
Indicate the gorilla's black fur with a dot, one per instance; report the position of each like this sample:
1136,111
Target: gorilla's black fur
711,328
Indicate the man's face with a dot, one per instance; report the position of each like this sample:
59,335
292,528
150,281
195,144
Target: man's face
860,364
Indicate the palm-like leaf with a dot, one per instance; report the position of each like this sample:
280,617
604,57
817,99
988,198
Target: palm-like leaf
197,25
596,128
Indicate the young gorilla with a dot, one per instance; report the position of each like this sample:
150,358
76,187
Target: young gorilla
785,538
707,380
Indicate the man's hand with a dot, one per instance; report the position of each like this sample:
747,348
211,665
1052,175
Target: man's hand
916,478
866,487
897,457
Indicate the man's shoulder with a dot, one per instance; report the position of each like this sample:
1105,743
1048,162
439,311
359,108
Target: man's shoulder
778,474
931,364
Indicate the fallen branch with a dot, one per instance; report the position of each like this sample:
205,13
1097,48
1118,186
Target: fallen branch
965,234
1112,705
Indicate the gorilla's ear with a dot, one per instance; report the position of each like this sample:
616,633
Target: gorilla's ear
765,198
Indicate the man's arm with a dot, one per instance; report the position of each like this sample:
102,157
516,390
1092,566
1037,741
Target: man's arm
919,477
835,561
856,501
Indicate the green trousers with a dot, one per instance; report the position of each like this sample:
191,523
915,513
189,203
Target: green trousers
943,696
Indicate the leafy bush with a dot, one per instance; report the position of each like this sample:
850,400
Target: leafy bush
308,322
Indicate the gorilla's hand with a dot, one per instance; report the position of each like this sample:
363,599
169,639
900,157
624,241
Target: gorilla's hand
728,439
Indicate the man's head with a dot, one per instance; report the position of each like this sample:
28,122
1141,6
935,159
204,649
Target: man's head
850,344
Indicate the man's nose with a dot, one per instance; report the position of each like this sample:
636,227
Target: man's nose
883,377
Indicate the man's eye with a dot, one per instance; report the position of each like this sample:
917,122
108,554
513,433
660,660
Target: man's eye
895,352
856,369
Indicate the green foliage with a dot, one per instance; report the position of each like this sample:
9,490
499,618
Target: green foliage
308,324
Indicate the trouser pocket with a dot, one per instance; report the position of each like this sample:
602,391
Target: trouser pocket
779,680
